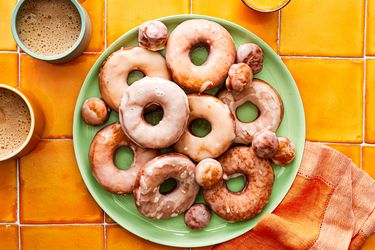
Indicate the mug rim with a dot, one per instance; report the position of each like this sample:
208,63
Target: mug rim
32,125
53,57
266,11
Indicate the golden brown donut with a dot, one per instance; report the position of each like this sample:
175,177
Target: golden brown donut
102,150
94,111
253,198
154,205
114,72
222,54
222,128
152,90
268,102
285,153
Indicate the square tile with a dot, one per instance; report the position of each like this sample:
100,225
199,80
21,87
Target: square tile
119,238
370,243
322,27
351,151
7,42
331,91
62,237
57,88
8,237
52,189
370,101
95,9
368,160
9,69
263,25
370,28
8,191
125,15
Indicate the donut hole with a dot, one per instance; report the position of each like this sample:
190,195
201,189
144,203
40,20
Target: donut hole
124,158
168,186
200,127
199,54
236,183
134,76
247,112
153,114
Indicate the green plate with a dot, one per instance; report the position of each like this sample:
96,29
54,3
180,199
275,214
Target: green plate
173,232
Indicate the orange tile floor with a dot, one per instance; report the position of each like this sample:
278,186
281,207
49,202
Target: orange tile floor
328,47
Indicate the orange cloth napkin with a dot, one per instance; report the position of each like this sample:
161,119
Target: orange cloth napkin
329,206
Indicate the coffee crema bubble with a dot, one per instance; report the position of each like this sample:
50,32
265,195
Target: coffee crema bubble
15,122
48,27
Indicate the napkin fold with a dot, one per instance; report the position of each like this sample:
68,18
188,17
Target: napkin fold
329,206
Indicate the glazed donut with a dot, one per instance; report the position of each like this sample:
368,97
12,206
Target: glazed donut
252,55
152,90
222,128
148,199
285,153
208,172
249,202
94,111
265,144
184,39
115,70
102,150
268,102
152,35
239,76
197,217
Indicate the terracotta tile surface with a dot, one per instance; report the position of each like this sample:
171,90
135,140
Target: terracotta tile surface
57,88
8,237
125,15
8,191
52,190
370,27
6,40
369,160
9,69
118,238
331,92
322,27
62,237
95,9
370,101
351,151
237,12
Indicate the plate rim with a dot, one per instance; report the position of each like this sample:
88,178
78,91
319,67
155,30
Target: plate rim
77,115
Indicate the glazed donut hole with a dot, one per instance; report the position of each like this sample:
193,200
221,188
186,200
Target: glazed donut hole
286,152
200,127
247,112
252,55
153,35
239,76
95,111
208,172
265,144
197,217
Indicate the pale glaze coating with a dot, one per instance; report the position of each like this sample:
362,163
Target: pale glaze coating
198,217
239,76
265,144
286,152
152,35
113,76
252,55
152,90
102,151
249,202
208,172
222,128
154,205
94,111
222,54
268,102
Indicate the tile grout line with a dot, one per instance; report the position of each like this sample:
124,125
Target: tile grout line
191,6
322,57
56,224
18,205
278,31
364,83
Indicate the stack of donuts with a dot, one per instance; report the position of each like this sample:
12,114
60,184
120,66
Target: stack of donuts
231,148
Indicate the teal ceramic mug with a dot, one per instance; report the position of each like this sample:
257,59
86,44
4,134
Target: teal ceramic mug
78,47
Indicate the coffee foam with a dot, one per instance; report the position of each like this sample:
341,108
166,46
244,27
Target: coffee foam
48,27
15,122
